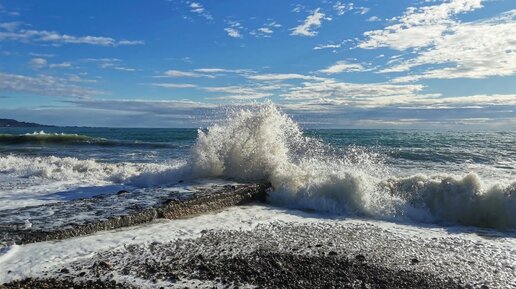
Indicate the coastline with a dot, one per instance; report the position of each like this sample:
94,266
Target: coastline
240,247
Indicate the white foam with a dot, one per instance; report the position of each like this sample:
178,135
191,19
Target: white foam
36,180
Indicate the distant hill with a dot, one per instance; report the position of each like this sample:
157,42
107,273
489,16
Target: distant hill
4,122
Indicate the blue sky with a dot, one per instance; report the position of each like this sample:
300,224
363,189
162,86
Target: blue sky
359,64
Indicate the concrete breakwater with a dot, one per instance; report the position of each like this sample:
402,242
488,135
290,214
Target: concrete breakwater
106,212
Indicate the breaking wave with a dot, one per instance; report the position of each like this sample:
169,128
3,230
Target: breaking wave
263,144
90,171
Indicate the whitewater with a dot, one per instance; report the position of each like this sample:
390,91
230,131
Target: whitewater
262,144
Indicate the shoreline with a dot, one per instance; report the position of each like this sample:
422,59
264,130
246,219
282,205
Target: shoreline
277,255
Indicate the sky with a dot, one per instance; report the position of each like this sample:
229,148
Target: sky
437,64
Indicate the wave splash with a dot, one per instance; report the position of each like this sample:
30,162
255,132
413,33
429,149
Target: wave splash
263,144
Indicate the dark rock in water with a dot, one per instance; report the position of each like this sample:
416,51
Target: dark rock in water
360,257
414,261
332,253
106,212
105,265
65,271
122,192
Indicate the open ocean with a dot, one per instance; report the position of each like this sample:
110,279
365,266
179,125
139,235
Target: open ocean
441,177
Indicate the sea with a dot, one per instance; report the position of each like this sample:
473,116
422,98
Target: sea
427,180
442,177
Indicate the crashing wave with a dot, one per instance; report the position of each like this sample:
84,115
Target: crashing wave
263,144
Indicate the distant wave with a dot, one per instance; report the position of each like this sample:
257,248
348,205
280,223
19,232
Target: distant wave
44,138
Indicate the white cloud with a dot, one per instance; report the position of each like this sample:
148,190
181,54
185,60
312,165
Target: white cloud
174,85
61,65
110,63
234,29
356,94
44,85
470,50
298,8
363,10
374,19
343,66
212,70
38,63
342,8
238,92
233,32
448,47
196,7
327,46
266,30
282,76
311,22
13,32
418,27
179,73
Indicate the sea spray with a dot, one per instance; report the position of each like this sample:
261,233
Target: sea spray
263,144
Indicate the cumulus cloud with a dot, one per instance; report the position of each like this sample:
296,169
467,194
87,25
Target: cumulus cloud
418,27
313,21
447,47
478,49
